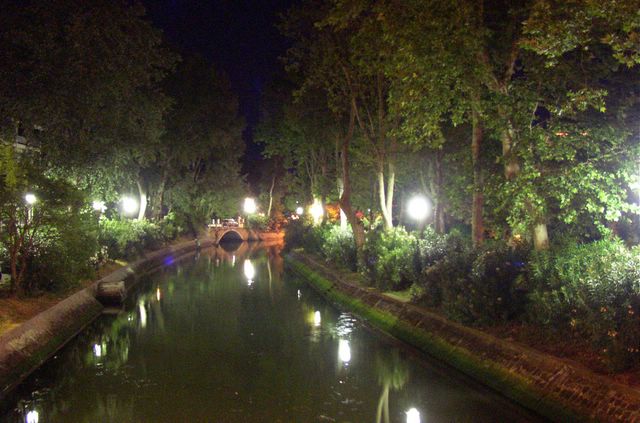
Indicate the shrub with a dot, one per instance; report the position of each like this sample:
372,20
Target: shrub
62,255
302,234
339,246
392,259
258,222
128,238
593,291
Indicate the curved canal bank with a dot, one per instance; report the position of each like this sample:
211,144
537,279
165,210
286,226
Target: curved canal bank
24,348
556,389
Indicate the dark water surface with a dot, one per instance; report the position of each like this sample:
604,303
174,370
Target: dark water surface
224,338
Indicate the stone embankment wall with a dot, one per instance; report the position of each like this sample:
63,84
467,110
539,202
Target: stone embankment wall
26,347
556,389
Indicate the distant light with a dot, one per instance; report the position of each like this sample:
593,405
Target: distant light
419,208
97,350
32,417
158,294
99,206
317,319
250,206
30,199
249,270
344,351
317,211
413,416
299,294
129,205
299,210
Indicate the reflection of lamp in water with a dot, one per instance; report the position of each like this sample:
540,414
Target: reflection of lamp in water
299,294
413,416
97,350
317,318
344,351
32,417
249,271
158,294
143,314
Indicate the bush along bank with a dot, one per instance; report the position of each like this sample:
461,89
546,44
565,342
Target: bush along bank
589,292
539,382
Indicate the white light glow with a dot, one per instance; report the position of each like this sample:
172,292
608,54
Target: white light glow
344,351
143,314
249,270
419,208
30,199
129,205
233,260
97,350
250,206
158,294
32,417
317,319
299,210
317,211
413,416
299,294
99,206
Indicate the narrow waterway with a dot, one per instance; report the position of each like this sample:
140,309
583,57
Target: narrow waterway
228,337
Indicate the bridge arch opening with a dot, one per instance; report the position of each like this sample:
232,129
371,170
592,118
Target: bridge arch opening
231,236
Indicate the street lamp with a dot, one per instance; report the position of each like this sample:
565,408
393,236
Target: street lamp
30,199
413,416
299,210
129,205
250,206
419,208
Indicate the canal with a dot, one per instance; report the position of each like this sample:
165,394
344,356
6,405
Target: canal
228,336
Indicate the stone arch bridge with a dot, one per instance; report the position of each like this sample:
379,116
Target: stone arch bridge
219,234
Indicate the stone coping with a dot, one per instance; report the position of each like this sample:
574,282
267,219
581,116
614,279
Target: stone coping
555,388
27,346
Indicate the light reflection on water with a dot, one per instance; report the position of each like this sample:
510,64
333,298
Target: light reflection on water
199,343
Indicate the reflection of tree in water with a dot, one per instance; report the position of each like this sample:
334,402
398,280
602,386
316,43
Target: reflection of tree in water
393,373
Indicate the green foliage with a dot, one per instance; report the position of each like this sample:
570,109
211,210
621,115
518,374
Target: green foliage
64,254
392,258
303,234
591,291
339,247
127,238
255,221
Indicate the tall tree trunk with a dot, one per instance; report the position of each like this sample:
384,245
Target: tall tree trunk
143,198
345,199
273,184
438,217
477,223
159,201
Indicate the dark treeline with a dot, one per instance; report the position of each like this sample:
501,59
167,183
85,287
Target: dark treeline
94,106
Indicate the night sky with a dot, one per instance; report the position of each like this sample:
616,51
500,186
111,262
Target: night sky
238,36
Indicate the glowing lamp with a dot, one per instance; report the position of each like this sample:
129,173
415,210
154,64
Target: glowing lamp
317,211
419,208
413,416
299,210
317,319
250,205
129,205
32,417
30,199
